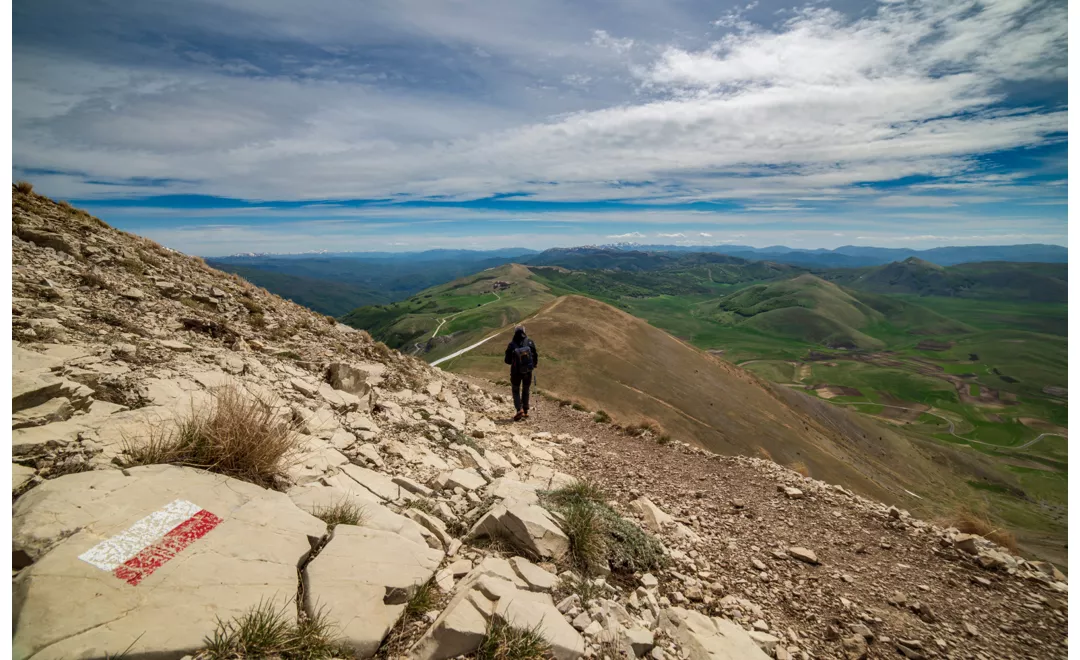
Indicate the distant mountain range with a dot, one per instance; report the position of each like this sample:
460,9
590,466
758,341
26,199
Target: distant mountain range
335,283
857,255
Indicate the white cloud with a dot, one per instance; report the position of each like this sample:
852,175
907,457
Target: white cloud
553,109
632,234
676,235
604,40
704,235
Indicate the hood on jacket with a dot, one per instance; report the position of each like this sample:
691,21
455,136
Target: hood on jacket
519,334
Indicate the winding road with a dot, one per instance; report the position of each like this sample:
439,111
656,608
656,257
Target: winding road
444,320
952,426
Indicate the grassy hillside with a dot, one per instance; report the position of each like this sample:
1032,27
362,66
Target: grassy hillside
998,281
813,311
441,319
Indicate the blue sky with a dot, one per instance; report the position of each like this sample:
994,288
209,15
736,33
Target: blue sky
222,126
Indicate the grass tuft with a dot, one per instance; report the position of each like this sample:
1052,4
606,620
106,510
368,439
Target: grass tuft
234,434
25,187
801,468
601,417
598,533
664,440
504,641
969,521
267,631
341,513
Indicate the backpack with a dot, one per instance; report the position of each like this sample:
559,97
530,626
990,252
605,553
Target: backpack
523,359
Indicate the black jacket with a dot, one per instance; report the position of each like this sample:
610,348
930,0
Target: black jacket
520,340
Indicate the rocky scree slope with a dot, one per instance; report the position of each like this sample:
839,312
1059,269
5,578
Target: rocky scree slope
118,341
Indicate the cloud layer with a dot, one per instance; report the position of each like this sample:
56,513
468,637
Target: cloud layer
765,109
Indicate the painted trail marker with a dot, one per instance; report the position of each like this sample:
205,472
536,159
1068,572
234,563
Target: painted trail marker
141,549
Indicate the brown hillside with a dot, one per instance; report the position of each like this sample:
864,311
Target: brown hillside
606,359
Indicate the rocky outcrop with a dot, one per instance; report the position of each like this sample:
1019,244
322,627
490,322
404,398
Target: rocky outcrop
154,557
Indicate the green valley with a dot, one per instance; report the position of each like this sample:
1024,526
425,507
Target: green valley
963,357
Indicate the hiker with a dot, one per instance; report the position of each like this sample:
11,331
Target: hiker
522,357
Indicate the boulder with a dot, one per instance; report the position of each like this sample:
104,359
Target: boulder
468,479
803,555
110,537
705,638
53,410
528,527
347,378
364,578
655,518
513,491
45,239
482,596
537,578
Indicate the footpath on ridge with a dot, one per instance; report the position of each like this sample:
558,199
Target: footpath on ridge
455,530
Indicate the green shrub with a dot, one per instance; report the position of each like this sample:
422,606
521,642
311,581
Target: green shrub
506,642
266,631
597,532
601,417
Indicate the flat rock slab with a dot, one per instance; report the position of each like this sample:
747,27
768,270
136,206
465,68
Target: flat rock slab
363,578
153,556
705,638
317,498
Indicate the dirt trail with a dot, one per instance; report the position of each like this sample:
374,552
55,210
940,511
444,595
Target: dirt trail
952,426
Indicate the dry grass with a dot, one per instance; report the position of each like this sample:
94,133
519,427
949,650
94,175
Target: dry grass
602,417
801,468
970,521
133,266
25,187
341,513
93,279
235,435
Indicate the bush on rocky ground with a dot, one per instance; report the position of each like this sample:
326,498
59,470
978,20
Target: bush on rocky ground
598,534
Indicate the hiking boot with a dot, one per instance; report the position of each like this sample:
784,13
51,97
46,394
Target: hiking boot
525,415
518,416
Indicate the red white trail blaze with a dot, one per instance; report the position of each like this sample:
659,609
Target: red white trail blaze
141,549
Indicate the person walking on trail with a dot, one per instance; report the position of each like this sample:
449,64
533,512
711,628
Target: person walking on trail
522,357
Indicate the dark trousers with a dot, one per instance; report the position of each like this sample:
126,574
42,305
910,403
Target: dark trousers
520,383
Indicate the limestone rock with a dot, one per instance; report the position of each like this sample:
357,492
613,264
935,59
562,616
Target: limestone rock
106,517
803,555
705,638
655,518
347,378
528,527
364,578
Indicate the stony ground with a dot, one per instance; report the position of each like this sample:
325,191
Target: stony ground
119,340
899,577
